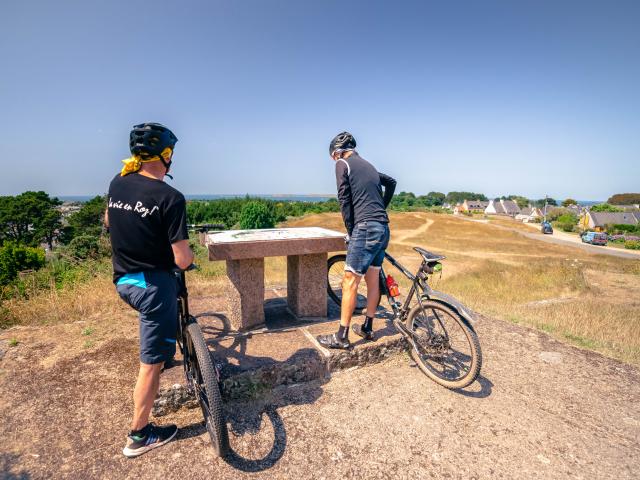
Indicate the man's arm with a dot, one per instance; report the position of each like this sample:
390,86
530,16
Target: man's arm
105,220
182,254
344,194
176,224
389,185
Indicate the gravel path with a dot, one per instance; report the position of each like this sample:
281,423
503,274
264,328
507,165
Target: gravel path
542,409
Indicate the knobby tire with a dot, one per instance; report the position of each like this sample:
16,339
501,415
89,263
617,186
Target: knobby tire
214,419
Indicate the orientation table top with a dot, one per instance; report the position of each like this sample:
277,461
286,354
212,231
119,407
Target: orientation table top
273,242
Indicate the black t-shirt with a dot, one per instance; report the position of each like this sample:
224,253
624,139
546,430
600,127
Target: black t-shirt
145,217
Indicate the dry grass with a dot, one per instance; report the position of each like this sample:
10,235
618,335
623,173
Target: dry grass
592,301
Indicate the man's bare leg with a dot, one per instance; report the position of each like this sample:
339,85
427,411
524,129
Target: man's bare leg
350,284
372,278
340,339
145,393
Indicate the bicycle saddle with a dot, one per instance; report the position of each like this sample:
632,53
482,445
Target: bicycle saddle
429,256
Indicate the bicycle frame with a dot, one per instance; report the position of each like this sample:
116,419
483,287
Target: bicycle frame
399,310
419,281
183,308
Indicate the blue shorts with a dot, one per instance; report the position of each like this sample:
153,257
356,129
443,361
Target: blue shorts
367,245
155,295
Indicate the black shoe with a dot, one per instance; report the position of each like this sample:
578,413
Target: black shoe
367,335
332,341
155,437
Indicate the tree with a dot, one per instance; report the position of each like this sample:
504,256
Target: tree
29,218
459,197
541,203
521,201
624,199
87,220
15,258
605,207
568,201
435,199
256,215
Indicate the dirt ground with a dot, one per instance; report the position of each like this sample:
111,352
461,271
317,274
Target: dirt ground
541,409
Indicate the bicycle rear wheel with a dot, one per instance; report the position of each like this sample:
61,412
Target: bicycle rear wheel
335,273
447,347
205,383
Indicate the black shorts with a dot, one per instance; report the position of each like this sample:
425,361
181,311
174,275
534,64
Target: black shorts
155,295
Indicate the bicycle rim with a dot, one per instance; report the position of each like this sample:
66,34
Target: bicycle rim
335,274
446,349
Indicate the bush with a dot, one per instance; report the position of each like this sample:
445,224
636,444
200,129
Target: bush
15,258
605,207
256,215
565,226
632,244
83,247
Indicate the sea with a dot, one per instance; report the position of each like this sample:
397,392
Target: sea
277,198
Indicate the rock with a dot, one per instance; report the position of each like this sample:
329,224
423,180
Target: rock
551,357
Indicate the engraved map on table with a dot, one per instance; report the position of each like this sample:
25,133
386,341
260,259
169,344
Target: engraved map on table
271,234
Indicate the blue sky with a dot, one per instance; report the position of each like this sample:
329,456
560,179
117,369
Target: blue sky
531,98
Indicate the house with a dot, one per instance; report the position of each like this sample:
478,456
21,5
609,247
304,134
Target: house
474,206
528,214
598,221
510,207
494,208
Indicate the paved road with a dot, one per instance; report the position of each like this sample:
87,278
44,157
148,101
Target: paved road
541,409
560,238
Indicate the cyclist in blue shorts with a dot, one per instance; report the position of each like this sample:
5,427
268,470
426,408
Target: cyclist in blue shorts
363,205
147,220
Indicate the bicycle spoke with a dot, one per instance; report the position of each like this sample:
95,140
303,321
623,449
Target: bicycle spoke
442,344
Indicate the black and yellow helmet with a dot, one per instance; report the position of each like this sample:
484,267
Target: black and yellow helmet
150,139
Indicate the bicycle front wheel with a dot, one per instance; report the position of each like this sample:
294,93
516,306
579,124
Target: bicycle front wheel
205,383
447,348
335,274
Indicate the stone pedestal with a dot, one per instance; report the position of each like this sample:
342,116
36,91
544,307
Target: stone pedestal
307,284
244,251
245,292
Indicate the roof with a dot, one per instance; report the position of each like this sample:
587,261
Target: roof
600,219
510,207
477,204
526,211
497,206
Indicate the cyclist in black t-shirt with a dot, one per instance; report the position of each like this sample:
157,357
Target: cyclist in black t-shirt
147,221
363,204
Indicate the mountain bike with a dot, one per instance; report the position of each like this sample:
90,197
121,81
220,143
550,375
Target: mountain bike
438,327
203,377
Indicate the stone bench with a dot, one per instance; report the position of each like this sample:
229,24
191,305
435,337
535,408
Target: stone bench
244,252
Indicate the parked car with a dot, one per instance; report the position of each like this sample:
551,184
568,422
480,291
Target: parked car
595,238
546,228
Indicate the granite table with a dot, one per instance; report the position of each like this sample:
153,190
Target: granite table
245,250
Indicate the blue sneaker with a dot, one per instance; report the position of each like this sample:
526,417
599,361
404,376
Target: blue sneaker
153,437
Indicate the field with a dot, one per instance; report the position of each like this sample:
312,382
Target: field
592,301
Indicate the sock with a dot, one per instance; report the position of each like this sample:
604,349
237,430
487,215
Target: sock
367,326
343,333
140,433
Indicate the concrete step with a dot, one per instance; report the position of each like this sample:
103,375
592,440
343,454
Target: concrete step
283,352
